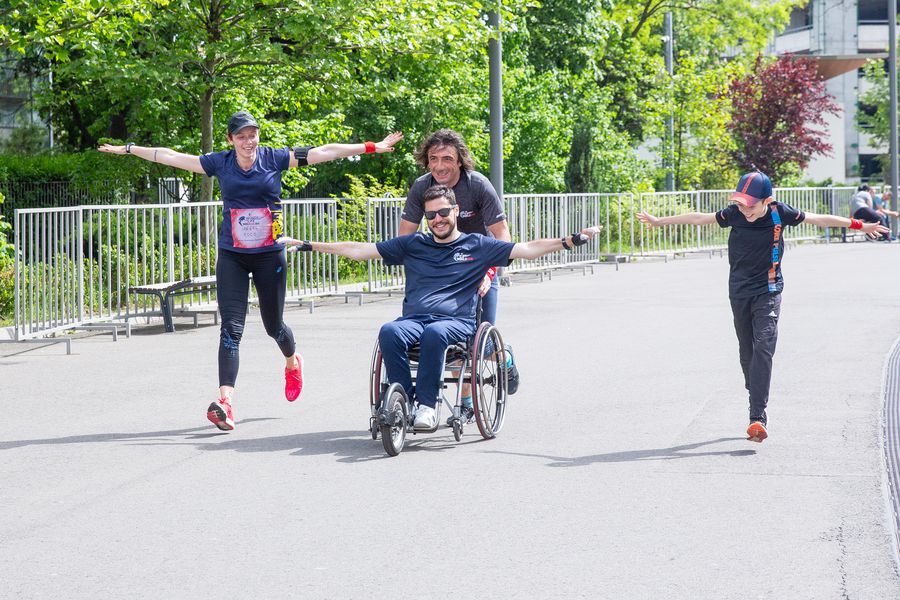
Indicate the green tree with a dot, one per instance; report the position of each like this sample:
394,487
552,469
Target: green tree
280,59
7,276
875,116
58,27
778,116
702,144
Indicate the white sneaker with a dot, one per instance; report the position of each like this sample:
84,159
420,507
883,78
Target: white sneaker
425,418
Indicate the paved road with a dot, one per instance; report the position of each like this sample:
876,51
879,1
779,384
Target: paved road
621,473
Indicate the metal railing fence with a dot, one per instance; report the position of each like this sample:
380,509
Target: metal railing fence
59,194
383,223
74,266
536,216
695,238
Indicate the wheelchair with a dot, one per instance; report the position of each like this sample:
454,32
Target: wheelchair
479,361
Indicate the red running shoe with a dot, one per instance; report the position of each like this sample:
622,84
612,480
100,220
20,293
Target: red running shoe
219,414
757,432
293,380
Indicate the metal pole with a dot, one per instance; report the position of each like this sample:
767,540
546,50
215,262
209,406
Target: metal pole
670,119
495,62
892,63
50,117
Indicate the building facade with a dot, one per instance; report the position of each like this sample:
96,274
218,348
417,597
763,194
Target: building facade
842,36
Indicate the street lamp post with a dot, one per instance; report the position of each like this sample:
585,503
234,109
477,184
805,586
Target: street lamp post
892,64
495,66
670,118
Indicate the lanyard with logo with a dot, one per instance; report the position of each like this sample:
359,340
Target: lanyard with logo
776,219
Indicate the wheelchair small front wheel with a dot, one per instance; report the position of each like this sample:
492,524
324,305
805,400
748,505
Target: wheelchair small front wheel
393,417
457,429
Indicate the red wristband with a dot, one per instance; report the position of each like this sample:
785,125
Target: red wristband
370,147
491,273
855,224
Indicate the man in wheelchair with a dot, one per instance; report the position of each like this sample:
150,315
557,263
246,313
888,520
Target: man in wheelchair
444,269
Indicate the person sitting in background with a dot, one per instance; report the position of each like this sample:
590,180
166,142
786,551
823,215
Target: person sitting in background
861,209
881,203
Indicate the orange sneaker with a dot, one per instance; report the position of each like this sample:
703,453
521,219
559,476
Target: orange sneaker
757,432
219,414
293,380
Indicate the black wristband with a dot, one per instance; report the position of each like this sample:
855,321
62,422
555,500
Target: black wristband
579,239
565,245
301,153
128,147
305,246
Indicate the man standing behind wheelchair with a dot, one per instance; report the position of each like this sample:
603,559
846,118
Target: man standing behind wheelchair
444,270
447,158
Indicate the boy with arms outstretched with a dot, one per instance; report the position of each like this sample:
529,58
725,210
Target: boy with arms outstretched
755,249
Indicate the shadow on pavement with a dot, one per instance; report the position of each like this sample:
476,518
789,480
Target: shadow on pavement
350,446
120,437
675,452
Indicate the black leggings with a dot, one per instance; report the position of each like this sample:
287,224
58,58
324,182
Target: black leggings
269,270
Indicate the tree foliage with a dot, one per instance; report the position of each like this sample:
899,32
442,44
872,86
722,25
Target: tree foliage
584,80
59,27
7,263
303,67
875,118
778,116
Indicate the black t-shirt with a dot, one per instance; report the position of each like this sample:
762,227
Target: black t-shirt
754,269
479,204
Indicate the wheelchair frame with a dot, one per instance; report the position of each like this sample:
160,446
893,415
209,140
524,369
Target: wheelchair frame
483,365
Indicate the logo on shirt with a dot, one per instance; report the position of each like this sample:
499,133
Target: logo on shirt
249,221
466,214
463,257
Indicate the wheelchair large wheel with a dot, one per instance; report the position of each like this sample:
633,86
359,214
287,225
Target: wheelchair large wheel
489,380
378,384
393,418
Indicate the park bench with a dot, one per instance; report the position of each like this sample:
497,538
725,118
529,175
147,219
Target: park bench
168,291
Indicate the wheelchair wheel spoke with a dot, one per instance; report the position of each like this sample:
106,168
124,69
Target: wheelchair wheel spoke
489,387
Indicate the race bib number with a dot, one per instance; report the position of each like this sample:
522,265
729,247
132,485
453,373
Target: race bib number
251,227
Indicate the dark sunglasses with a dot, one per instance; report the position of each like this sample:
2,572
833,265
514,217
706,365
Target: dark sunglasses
444,212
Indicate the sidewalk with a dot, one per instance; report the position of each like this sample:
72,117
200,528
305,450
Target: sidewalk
621,472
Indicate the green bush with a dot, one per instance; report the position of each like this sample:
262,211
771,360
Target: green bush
7,263
351,220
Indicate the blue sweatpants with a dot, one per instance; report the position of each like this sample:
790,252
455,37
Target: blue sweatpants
434,334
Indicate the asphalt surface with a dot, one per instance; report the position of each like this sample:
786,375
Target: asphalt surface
622,471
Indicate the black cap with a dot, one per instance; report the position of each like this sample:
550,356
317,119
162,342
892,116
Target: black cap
239,120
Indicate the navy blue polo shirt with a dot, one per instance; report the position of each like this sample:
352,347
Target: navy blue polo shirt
443,279
251,199
750,248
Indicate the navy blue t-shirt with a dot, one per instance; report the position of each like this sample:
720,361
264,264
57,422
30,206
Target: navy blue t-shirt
750,246
443,279
252,199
